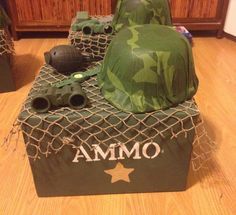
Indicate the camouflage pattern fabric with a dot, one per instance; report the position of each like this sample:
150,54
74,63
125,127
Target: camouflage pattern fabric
147,68
137,12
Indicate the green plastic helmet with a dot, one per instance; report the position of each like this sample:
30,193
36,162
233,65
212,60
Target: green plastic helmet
147,68
138,12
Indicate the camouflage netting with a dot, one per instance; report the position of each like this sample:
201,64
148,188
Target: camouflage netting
6,44
101,123
96,45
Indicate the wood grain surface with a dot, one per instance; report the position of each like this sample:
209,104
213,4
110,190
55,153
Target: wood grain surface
210,191
57,10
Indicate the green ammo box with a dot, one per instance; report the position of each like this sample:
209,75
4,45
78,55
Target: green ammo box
6,81
6,77
101,150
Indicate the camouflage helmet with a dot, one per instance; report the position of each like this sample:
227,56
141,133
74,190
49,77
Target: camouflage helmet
147,68
138,12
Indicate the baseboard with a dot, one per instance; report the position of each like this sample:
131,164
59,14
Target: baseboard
229,36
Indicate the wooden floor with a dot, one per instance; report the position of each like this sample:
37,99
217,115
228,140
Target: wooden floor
211,191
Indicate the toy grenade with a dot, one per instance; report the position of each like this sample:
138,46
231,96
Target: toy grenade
66,59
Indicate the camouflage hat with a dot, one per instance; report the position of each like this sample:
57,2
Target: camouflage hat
147,68
138,12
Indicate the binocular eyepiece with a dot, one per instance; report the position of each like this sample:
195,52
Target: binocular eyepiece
41,104
90,29
77,101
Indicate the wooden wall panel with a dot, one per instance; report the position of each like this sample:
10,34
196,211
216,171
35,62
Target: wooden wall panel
203,8
180,8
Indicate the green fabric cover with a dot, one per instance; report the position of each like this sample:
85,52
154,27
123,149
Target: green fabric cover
147,68
138,12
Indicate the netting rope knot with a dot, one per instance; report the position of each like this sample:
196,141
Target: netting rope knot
67,140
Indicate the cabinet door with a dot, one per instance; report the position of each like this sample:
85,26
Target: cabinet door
57,11
180,8
27,11
204,9
195,10
95,7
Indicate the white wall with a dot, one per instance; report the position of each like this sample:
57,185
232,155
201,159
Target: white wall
230,24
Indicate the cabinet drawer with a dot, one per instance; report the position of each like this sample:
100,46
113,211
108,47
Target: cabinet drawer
180,8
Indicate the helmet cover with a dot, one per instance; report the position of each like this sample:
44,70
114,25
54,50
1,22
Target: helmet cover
138,12
147,68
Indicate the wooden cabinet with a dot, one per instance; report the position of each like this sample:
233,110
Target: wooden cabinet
51,15
56,15
200,14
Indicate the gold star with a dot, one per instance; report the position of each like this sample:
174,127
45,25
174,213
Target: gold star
119,173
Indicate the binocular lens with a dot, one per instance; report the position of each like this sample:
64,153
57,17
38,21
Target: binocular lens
108,29
77,101
87,30
41,104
